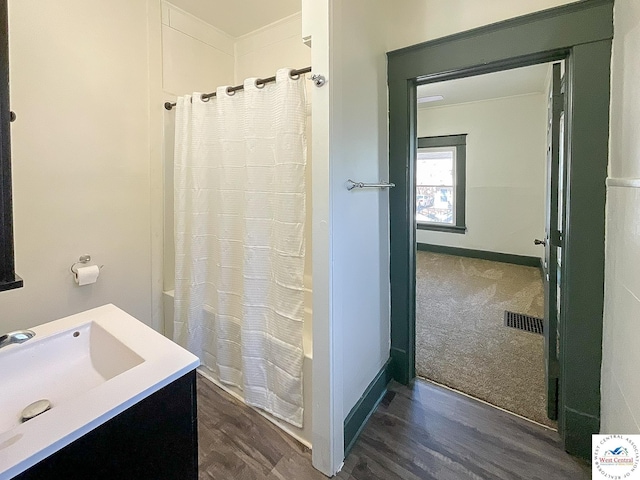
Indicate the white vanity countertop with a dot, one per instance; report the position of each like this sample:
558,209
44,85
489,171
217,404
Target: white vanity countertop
92,366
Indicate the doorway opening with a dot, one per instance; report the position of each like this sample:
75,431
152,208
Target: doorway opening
481,174
579,33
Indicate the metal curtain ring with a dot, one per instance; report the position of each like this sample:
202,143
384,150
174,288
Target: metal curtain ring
259,83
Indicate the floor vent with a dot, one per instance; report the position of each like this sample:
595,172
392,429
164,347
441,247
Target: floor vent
523,322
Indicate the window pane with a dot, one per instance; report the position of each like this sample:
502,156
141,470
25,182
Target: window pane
435,168
435,205
435,182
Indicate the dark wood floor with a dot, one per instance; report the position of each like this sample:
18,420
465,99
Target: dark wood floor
235,442
419,432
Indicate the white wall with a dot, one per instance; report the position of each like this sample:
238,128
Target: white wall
350,229
328,435
505,167
196,56
81,157
416,21
621,353
359,218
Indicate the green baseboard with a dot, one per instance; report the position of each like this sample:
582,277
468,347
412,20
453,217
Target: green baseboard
482,254
364,408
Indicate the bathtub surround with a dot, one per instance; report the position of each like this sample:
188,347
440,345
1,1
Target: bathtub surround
303,435
239,237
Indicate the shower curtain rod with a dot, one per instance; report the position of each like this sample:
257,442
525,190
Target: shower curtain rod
260,81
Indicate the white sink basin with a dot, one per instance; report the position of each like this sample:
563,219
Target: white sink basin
90,366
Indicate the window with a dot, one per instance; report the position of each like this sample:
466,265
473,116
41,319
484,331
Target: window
440,183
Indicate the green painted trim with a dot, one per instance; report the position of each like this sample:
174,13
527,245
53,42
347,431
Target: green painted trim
550,14
482,254
434,227
364,408
577,439
582,275
398,364
458,141
536,38
581,34
443,141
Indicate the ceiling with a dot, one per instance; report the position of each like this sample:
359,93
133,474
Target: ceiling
508,83
238,17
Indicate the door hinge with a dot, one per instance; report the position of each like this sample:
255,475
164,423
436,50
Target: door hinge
554,368
558,102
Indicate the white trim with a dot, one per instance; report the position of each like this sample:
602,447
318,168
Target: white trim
156,161
623,182
295,18
194,27
327,385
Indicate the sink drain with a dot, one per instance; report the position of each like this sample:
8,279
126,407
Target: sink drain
35,409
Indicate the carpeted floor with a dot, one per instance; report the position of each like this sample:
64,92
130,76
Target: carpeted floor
461,340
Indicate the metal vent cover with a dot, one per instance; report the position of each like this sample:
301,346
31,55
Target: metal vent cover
523,322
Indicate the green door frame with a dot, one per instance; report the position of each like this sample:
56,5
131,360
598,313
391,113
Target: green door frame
581,33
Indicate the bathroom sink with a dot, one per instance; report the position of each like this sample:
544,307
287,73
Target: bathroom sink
90,367
60,367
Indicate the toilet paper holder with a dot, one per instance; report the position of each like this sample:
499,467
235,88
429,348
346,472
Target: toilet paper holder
84,259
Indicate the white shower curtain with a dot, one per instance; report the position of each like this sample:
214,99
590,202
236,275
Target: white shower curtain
239,237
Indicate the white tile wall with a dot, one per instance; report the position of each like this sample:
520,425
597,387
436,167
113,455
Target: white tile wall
621,335
620,411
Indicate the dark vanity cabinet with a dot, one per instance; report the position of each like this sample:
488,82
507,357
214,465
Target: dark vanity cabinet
155,439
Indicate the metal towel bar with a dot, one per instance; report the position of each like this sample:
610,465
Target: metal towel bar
351,185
